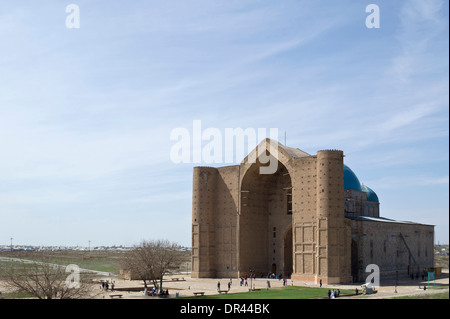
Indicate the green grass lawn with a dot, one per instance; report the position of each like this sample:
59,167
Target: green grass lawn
110,265
290,292
100,261
17,295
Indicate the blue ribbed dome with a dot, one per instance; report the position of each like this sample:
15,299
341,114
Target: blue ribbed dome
350,180
371,195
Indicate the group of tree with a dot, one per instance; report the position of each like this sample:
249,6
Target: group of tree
39,277
150,261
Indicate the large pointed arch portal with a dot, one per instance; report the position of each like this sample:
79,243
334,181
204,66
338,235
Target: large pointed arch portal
265,221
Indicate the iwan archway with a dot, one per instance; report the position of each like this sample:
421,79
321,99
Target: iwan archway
265,222
289,220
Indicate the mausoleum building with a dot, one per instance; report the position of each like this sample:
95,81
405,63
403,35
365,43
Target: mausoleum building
310,219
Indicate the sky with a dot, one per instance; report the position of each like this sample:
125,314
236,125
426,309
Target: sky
87,111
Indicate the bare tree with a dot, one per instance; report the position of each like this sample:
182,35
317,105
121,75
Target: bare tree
43,279
152,260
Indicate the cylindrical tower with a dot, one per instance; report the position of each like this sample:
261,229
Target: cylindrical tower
333,253
203,225
330,183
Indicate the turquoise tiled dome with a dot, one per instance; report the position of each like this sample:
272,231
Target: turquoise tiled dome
371,195
350,180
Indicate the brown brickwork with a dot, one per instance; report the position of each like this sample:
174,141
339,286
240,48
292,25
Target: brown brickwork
296,221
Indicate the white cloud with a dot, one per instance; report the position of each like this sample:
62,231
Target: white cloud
86,116
421,22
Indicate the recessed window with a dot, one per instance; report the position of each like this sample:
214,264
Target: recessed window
289,204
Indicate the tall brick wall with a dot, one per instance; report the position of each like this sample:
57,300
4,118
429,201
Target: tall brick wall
304,228
321,233
240,222
380,243
226,214
203,222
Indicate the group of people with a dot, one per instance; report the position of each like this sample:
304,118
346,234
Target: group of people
105,285
275,276
270,275
243,281
333,293
230,282
163,293
153,292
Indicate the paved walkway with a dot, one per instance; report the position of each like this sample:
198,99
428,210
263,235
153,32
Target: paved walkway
186,286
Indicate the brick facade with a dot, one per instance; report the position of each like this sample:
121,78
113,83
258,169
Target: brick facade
296,221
